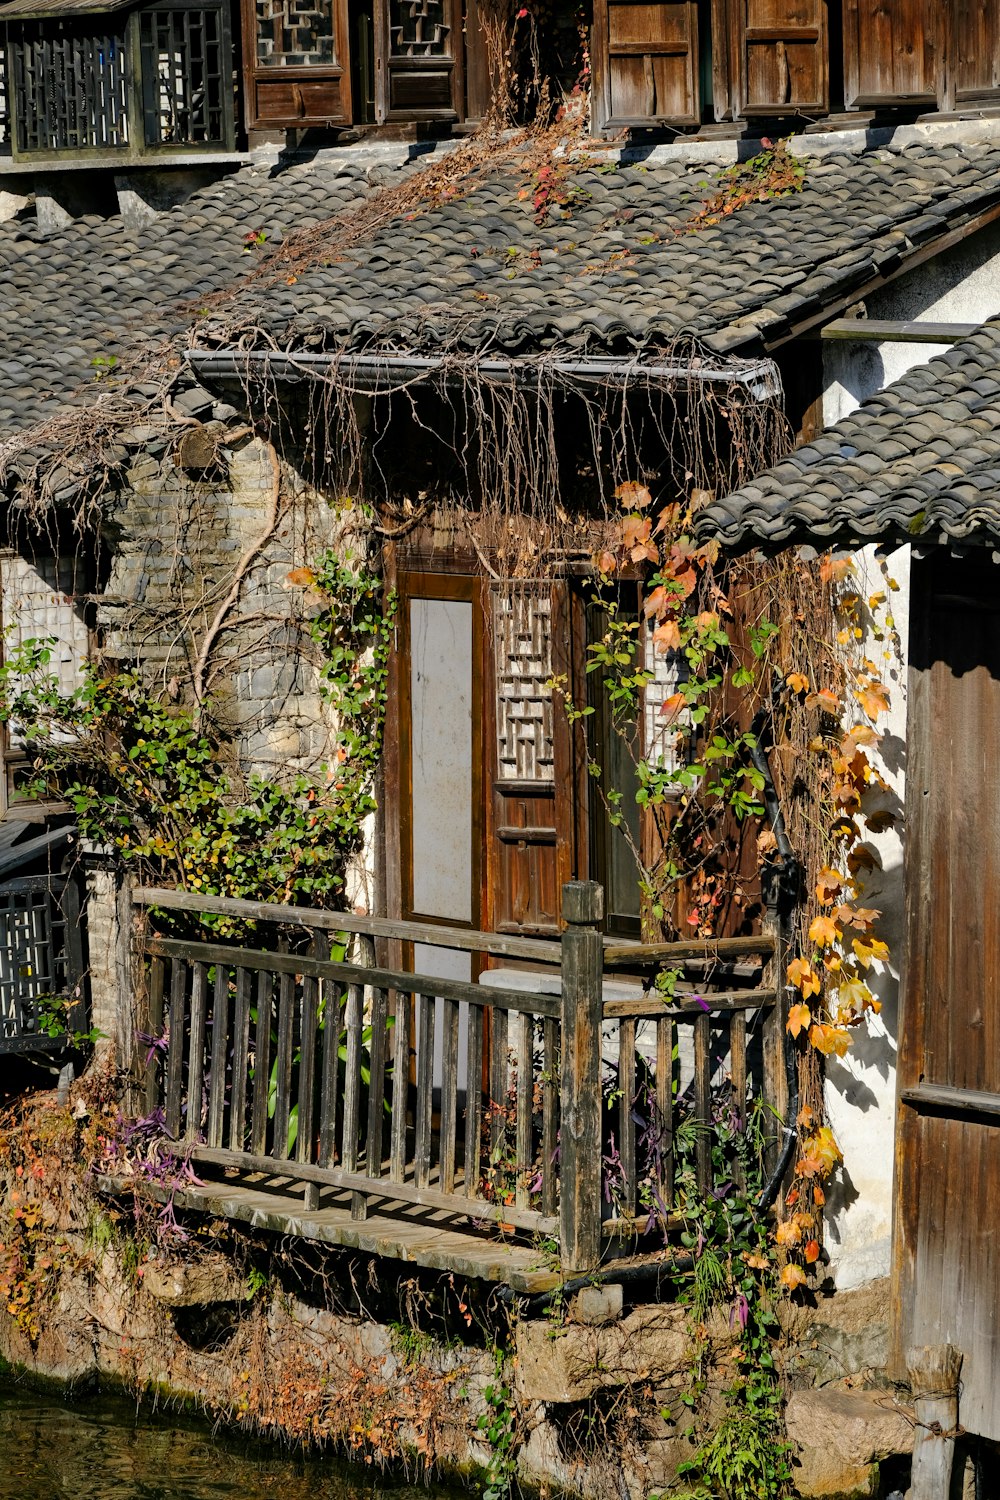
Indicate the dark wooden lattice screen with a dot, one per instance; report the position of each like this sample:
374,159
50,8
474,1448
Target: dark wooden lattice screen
159,78
41,961
69,85
186,76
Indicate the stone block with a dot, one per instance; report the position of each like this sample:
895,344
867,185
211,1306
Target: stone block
194,1283
594,1306
839,1439
573,1363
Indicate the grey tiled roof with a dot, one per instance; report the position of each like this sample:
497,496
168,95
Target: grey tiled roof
918,461
621,274
625,271
85,292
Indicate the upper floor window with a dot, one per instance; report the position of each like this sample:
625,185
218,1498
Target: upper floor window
681,62
131,82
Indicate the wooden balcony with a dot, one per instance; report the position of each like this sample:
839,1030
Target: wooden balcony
325,1086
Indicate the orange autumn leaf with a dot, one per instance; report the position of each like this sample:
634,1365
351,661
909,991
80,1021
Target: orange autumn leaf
829,884
656,602
834,569
844,828
853,997
874,699
825,699
861,858
824,932
301,578
606,562
810,1251
873,949
798,1016
861,917
667,637
797,682
788,1233
819,1197
767,843
829,1040
636,530
671,707
632,493
878,822
707,620
823,1148
804,977
792,1276
857,737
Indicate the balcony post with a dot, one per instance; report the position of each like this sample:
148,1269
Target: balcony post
580,1079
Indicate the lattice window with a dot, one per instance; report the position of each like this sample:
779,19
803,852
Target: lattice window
660,732
186,72
418,28
522,624
40,955
69,81
160,77
295,33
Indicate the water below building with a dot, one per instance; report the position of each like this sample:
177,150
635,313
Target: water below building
104,1448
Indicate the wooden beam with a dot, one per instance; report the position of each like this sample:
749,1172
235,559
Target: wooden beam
889,331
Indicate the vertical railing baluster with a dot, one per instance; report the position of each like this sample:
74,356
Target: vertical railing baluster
376,1088
524,1025
626,1112
703,1103
220,1047
196,1051
665,1105
175,1047
241,1062
738,1077
550,1114
426,1013
473,1100
154,1013
400,1086
580,1129
449,1093
261,1063
283,1063
308,1046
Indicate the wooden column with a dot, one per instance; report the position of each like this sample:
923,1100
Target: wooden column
580,1128
934,1373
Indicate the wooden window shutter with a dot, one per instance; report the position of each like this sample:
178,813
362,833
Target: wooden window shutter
782,57
890,49
645,57
419,57
295,55
972,54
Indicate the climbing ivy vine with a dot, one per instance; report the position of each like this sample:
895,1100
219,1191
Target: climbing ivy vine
169,797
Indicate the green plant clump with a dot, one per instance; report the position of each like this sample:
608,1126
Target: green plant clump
169,797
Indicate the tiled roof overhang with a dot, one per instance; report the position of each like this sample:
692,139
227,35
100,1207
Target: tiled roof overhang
919,462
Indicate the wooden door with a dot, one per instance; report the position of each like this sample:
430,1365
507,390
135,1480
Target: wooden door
781,57
645,58
946,1263
891,51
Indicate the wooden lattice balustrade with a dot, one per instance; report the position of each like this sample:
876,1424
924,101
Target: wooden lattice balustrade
548,1100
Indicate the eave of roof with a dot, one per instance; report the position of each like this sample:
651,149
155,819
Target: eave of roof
918,462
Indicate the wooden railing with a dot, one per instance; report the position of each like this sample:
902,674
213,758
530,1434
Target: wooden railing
535,1101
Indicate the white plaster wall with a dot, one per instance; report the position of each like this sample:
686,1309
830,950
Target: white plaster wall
961,286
